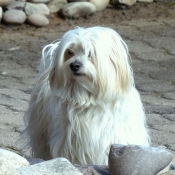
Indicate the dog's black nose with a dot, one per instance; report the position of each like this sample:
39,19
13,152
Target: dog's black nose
75,66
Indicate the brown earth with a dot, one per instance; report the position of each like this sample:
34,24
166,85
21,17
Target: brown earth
113,13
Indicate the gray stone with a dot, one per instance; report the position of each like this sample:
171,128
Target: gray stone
35,160
18,5
99,4
31,8
14,16
37,20
137,160
126,2
145,0
77,1
77,9
55,5
1,12
59,166
4,2
93,169
39,1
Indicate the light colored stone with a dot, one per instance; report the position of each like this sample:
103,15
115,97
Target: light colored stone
100,4
18,5
169,173
55,5
14,17
126,2
137,160
31,8
7,169
39,1
12,159
1,12
77,1
4,2
59,166
145,0
77,9
37,20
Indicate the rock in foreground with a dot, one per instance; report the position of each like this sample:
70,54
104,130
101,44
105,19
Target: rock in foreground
137,160
60,166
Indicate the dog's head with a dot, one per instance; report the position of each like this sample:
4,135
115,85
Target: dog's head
92,60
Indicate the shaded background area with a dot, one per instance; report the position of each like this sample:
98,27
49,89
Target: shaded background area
112,14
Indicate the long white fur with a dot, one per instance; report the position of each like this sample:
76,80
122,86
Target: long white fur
79,117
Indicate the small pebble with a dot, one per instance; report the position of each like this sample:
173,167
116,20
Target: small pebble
37,20
14,16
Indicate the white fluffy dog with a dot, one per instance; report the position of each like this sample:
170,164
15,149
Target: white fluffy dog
84,99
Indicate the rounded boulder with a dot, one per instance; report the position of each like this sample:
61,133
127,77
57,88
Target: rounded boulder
39,1
100,4
37,20
77,9
18,5
135,159
40,8
14,17
13,159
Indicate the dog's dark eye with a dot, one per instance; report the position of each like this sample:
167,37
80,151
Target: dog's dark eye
71,52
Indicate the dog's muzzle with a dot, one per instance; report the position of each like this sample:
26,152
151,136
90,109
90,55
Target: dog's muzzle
75,67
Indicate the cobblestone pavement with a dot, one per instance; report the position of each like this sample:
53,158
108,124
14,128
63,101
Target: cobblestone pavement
152,47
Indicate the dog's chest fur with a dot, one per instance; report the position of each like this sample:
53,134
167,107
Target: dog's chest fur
80,132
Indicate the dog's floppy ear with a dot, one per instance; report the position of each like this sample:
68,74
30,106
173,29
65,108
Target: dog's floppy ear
47,69
121,60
